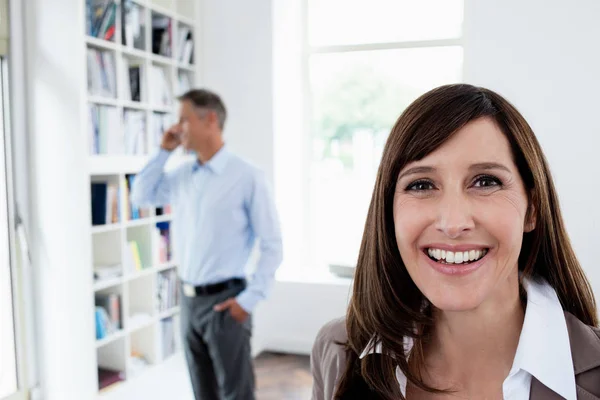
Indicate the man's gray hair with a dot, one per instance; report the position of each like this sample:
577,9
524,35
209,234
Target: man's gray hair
206,100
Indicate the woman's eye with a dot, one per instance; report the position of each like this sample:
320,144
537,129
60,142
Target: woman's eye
487,181
420,186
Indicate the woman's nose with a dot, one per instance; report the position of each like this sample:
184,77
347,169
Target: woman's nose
454,216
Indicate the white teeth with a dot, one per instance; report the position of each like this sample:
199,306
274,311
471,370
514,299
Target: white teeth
458,257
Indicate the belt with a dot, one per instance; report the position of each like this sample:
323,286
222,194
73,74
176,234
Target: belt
190,290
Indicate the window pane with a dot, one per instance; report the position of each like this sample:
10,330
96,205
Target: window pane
356,99
340,22
8,360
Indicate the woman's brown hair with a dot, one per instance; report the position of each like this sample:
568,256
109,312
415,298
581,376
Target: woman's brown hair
386,305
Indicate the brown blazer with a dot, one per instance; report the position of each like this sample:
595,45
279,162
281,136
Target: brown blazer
328,361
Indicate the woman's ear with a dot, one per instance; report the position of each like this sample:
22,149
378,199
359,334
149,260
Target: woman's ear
530,216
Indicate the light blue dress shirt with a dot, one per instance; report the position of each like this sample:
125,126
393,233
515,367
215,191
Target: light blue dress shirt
220,209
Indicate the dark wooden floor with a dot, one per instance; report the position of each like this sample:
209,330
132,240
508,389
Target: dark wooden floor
282,377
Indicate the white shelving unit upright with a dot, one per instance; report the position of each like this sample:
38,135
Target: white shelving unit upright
140,55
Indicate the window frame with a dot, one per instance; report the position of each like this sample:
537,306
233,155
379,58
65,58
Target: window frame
308,51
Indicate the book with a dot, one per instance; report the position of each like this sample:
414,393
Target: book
166,290
133,26
164,210
111,303
184,83
108,377
161,35
107,271
135,254
163,242
137,363
188,52
160,90
133,213
185,44
105,131
134,83
134,125
101,73
105,203
159,123
102,322
168,340
101,18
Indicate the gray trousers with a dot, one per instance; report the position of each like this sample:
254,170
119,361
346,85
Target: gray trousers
217,349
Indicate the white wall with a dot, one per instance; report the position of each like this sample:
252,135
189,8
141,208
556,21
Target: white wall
542,56
237,64
539,54
290,319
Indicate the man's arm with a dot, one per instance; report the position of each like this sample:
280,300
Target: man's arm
265,224
152,186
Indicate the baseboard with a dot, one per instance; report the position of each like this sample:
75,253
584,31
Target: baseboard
288,345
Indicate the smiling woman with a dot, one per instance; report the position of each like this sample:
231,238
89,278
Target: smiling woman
466,283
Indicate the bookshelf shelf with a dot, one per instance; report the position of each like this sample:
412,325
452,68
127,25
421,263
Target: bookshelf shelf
184,20
101,43
158,59
115,164
139,222
133,52
107,283
164,218
106,228
165,267
111,338
140,324
133,80
158,9
186,67
140,274
135,105
168,313
104,101
161,109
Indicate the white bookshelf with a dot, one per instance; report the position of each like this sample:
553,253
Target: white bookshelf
142,320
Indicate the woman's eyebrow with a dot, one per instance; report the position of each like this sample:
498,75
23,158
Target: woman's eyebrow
488,166
416,170
424,169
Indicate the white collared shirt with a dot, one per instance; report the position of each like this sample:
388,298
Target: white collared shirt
544,350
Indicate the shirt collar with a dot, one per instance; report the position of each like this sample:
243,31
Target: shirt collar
544,349
216,164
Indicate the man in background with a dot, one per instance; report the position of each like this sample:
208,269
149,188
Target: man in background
222,205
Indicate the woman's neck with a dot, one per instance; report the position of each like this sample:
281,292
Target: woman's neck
469,348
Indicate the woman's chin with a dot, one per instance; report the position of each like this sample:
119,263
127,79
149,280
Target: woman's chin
456,300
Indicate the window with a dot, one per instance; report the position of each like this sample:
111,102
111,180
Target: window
8,344
366,62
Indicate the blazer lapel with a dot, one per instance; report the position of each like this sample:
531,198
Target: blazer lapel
539,391
585,345
585,350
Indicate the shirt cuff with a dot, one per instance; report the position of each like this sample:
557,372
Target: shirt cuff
247,300
163,155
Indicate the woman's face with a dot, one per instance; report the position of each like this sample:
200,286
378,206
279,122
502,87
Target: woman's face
459,216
